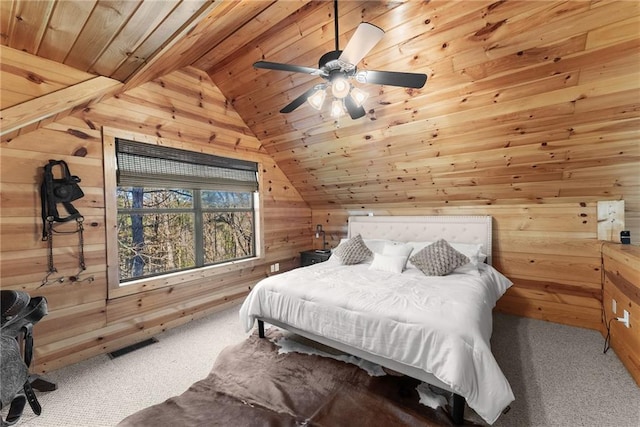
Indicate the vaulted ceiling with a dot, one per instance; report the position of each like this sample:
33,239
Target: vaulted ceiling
525,101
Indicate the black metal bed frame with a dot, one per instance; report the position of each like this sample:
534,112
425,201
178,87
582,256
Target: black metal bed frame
457,404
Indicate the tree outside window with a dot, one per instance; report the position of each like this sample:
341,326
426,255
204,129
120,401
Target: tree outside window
158,229
178,209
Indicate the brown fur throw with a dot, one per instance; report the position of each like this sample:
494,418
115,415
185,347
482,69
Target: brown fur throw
252,385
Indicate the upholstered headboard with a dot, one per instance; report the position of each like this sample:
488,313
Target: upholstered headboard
458,229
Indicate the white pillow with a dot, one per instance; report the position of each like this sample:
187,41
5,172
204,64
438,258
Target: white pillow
475,255
397,249
472,250
377,245
390,263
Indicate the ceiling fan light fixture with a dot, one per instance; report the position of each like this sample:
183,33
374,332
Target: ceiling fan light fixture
361,76
337,108
317,99
338,66
340,87
358,96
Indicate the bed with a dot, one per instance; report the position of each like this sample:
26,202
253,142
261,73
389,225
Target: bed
433,328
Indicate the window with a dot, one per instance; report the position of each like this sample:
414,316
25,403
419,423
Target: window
178,209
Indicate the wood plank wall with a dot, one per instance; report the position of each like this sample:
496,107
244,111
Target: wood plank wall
622,284
183,108
550,252
527,103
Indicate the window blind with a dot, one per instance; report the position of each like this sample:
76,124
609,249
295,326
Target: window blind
146,165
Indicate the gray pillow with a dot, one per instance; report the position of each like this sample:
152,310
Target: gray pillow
438,259
353,251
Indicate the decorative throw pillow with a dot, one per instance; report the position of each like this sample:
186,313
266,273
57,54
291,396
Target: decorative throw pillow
353,251
397,249
390,263
438,259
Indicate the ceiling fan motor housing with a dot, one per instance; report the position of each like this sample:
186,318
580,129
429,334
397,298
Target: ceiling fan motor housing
328,57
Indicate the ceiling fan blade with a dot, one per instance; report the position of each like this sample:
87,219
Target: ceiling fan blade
363,40
299,100
286,67
354,111
392,78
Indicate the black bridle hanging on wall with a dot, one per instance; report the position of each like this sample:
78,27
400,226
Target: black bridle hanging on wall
62,190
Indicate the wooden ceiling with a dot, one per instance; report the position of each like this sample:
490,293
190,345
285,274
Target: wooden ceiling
526,101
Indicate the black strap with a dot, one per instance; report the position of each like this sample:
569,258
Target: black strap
28,343
15,410
49,200
32,398
18,403
44,206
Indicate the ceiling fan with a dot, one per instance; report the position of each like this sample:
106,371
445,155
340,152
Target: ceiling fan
338,66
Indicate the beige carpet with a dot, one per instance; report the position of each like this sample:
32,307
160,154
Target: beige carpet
100,391
558,373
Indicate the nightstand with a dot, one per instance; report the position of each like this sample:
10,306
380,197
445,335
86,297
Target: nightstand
313,257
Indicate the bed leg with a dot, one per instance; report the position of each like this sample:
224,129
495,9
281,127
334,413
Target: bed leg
457,409
260,328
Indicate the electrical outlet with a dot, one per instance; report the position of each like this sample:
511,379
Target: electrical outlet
272,267
614,306
626,316
277,266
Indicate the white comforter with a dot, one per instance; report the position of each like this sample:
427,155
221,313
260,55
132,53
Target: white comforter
441,325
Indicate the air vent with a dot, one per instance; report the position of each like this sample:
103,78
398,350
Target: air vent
132,347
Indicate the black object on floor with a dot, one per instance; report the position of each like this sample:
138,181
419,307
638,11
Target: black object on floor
132,347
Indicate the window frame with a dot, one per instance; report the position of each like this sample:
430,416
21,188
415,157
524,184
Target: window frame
176,278
198,212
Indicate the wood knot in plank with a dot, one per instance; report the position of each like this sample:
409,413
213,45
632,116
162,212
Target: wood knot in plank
35,78
495,5
488,29
78,133
80,152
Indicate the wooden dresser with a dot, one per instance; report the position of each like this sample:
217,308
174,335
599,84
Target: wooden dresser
621,265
